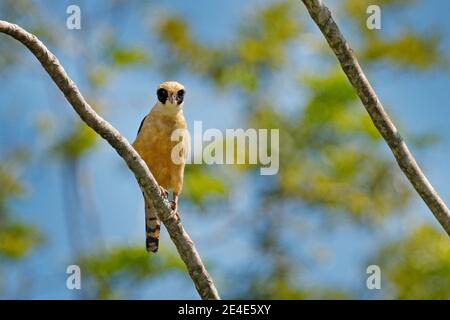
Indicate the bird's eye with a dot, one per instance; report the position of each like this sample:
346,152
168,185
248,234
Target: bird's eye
180,96
162,95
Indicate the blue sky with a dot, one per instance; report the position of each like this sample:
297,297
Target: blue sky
420,102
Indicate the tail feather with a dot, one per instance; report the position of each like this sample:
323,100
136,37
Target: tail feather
152,228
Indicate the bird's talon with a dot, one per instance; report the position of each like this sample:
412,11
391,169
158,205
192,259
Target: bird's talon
163,192
173,205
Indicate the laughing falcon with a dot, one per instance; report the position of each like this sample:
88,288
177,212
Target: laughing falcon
155,145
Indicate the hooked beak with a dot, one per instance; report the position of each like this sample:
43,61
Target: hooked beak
171,99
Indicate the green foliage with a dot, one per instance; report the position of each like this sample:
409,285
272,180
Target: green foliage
260,46
418,267
10,187
280,289
17,240
27,14
123,57
330,153
409,50
281,281
98,76
77,143
201,185
124,267
262,41
356,9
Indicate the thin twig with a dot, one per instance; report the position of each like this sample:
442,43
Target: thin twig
322,17
202,280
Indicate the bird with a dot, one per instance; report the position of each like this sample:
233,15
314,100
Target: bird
154,144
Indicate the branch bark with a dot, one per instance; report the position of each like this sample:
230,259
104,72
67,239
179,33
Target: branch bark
202,280
322,17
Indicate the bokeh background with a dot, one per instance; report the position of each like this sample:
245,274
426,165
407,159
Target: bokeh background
338,204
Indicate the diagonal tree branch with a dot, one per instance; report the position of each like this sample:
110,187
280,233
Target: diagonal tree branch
202,280
322,17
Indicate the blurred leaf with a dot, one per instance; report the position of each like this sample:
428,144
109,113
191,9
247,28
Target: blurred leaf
201,185
98,76
77,143
123,57
108,271
17,240
408,50
10,186
417,267
424,140
330,153
261,44
356,9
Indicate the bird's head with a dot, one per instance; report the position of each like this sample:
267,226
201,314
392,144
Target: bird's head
171,95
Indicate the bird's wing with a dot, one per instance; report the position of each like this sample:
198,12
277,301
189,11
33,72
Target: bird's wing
140,126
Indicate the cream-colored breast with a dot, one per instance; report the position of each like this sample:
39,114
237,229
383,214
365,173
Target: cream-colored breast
154,145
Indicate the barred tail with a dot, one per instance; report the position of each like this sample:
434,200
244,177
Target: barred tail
152,228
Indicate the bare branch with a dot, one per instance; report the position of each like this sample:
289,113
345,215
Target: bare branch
202,280
322,17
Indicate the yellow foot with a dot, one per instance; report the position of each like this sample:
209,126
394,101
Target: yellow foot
173,205
164,193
